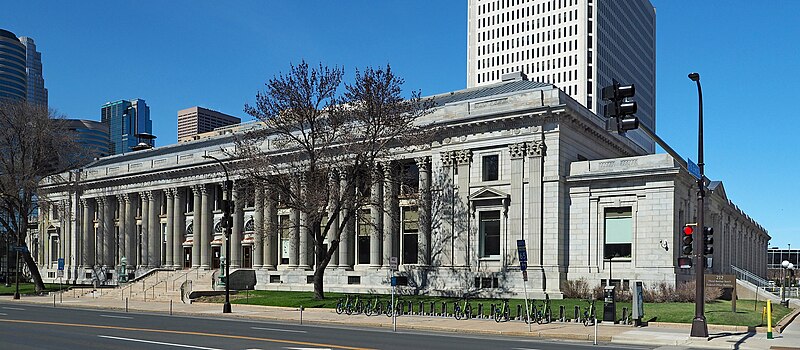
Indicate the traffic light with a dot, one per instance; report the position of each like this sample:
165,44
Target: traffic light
620,112
687,239
708,240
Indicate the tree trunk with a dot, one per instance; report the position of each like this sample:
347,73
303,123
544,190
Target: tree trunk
35,275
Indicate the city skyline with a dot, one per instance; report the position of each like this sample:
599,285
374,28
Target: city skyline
432,58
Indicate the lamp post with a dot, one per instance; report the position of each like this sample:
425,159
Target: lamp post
699,325
227,208
785,266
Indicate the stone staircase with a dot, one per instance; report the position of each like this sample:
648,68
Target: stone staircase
157,285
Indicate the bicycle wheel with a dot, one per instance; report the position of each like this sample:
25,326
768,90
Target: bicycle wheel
388,310
348,309
359,307
497,315
457,312
368,309
340,307
539,317
468,311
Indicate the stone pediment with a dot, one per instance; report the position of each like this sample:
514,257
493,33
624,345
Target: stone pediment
488,193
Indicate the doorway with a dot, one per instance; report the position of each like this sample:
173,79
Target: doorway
215,257
187,257
247,257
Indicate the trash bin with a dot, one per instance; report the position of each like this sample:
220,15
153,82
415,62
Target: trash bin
609,304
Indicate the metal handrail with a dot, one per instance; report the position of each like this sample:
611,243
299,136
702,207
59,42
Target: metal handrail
154,290
185,276
748,276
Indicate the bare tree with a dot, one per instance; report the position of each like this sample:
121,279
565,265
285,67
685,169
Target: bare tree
312,133
33,146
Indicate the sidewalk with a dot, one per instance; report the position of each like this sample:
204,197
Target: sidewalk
668,335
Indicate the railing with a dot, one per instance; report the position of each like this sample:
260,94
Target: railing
748,276
185,277
153,288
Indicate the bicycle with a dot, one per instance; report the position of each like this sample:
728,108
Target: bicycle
502,313
396,309
464,312
354,306
534,312
342,304
546,314
589,314
373,308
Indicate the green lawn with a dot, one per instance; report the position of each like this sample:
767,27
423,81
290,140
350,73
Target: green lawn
717,312
26,288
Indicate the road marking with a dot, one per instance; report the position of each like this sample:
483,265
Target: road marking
525,349
2,314
157,342
13,308
279,330
113,316
308,348
215,335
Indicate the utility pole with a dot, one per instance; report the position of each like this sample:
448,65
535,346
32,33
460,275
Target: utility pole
699,325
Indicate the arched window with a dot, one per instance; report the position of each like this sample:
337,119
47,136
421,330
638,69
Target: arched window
250,226
190,229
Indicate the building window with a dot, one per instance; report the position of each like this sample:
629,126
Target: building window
410,235
619,233
364,228
489,228
285,228
490,165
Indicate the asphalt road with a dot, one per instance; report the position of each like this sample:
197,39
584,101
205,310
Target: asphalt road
25,326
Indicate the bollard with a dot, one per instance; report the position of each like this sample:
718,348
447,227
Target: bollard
170,307
595,330
54,300
421,308
61,297
410,308
444,309
577,313
769,319
561,313
519,312
433,309
126,304
301,314
480,310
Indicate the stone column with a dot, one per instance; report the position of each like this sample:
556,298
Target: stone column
197,223
170,231
87,259
376,219
424,205
206,227
179,227
535,152
238,227
108,232
258,234
131,234
294,240
516,207
145,237
333,232
154,247
461,217
346,235
305,233
122,242
270,233
391,215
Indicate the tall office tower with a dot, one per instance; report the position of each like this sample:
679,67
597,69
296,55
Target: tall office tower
92,136
13,83
577,45
197,120
36,92
128,124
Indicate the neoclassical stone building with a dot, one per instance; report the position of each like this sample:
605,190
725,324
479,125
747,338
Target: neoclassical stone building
514,160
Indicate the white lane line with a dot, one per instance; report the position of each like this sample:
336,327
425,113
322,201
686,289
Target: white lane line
2,314
157,342
113,316
279,330
525,349
13,308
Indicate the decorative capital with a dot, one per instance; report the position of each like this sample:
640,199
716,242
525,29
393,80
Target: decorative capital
517,150
463,157
387,166
171,192
535,148
423,162
448,159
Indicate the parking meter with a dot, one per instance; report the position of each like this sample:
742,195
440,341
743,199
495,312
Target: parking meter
609,304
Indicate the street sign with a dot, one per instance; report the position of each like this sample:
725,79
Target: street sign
60,273
20,248
523,255
720,281
393,263
694,170
60,264
525,275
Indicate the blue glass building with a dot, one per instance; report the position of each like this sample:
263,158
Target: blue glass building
13,78
128,124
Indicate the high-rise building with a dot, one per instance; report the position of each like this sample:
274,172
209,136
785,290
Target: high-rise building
91,135
577,45
197,120
128,124
13,84
36,92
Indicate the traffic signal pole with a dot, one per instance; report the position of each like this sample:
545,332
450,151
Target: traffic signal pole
699,325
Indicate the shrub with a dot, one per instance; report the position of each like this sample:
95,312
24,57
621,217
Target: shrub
576,289
685,292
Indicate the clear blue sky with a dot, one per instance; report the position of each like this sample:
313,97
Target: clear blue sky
178,54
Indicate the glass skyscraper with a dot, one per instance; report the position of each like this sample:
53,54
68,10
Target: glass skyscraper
36,92
13,79
128,124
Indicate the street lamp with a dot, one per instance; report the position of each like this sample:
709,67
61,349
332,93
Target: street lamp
786,265
227,208
699,325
